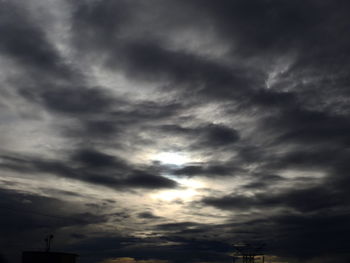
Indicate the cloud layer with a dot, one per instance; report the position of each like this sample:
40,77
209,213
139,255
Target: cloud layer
250,100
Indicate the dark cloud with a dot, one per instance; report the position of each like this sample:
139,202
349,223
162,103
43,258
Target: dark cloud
262,181
94,158
276,26
221,135
113,118
147,215
206,135
118,174
36,209
32,216
28,44
145,180
206,170
97,24
177,226
304,234
319,198
303,227
194,74
313,126
97,128
255,94
76,100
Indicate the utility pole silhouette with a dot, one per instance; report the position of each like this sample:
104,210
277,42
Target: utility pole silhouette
248,252
48,256
48,240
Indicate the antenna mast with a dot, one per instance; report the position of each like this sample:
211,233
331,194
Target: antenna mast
248,252
48,241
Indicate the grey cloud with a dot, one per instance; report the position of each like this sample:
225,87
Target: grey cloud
221,135
264,181
148,215
119,176
304,234
205,135
109,117
145,180
302,200
76,100
97,24
218,169
32,216
93,158
28,44
149,61
177,226
275,74
273,25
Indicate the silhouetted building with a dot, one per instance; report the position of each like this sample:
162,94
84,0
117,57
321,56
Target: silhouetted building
48,257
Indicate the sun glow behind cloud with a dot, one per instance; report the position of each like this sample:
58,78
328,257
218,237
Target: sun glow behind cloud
174,158
167,128
190,189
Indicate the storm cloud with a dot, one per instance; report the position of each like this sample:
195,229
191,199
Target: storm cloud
166,131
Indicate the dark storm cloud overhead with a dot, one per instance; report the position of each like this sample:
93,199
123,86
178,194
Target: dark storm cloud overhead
268,29
205,135
117,118
147,59
148,215
27,212
96,24
278,26
220,135
314,127
264,181
177,226
322,158
110,173
145,180
154,61
274,76
208,169
70,99
190,74
140,111
96,128
307,200
93,158
315,233
27,43
300,236
142,57
26,218
77,100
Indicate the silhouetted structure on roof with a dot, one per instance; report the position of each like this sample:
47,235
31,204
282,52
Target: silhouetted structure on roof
248,253
48,257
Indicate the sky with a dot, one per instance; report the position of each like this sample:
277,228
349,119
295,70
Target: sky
166,131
